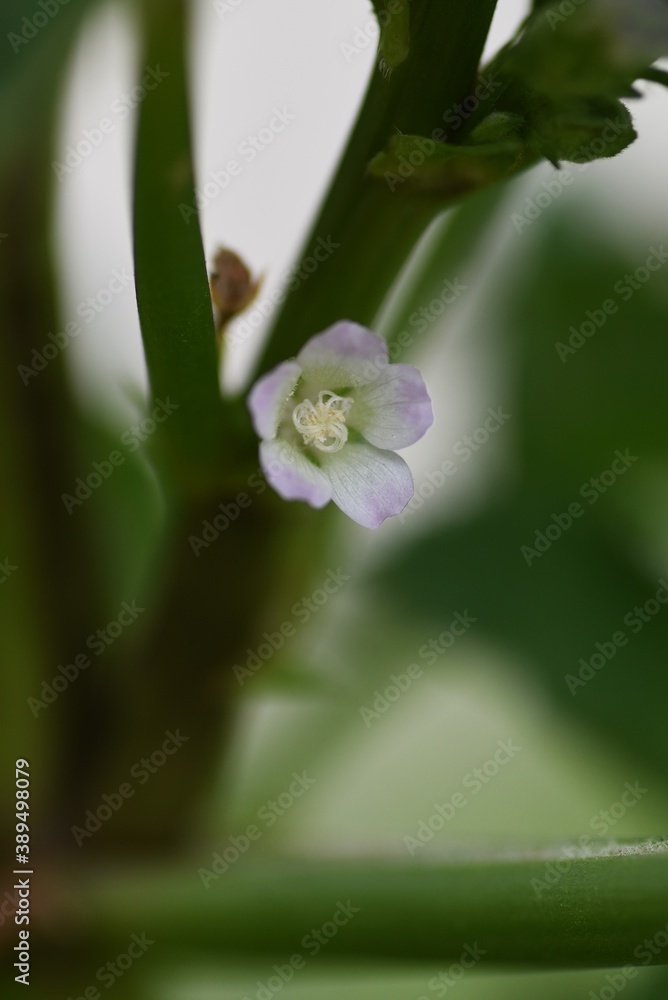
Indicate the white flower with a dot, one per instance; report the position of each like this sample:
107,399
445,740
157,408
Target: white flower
330,422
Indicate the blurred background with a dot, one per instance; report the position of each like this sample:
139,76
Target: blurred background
536,388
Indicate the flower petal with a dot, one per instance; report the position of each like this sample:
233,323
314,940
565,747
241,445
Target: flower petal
266,398
368,484
293,475
345,355
394,410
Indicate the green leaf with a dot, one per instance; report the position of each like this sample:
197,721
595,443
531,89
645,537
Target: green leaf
582,130
394,19
498,126
503,144
416,164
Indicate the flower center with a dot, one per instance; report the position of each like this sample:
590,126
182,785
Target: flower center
323,424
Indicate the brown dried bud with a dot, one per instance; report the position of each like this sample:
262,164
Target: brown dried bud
232,287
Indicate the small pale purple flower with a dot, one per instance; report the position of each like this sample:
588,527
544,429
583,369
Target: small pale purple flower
330,422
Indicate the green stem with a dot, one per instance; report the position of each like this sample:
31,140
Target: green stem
170,680
170,271
545,913
56,595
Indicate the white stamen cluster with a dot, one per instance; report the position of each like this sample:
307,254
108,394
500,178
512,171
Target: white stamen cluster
323,424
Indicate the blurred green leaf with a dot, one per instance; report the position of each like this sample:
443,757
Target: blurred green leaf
597,48
34,41
586,321
551,613
546,583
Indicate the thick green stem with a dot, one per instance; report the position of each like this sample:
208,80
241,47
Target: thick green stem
545,912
